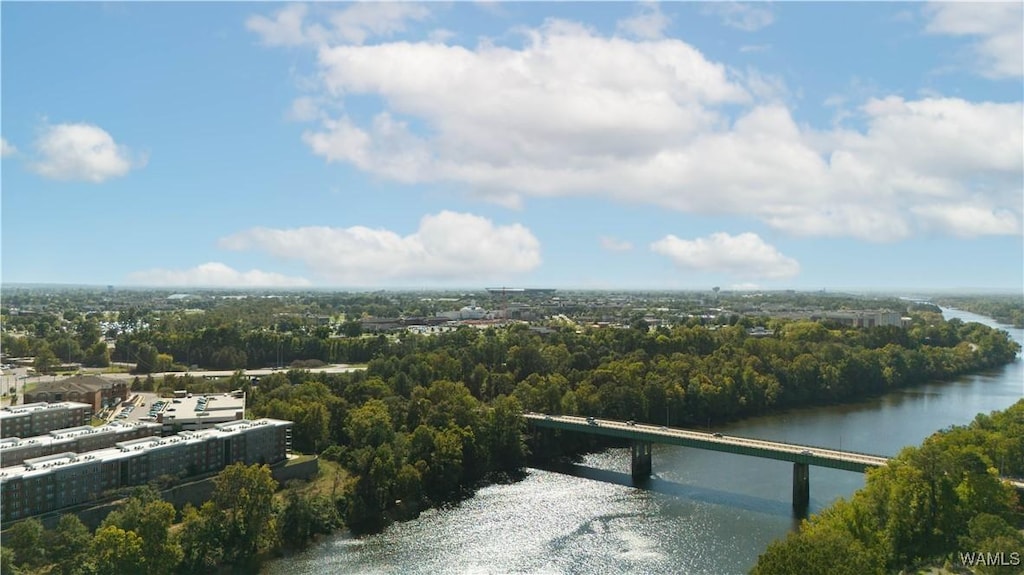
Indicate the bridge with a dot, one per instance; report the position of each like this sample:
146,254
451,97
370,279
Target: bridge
644,435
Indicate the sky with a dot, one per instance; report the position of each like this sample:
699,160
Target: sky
751,146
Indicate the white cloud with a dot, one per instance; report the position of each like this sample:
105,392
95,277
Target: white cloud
304,109
284,29
447,246
572,113
968,220
648,24
745,255
998,27
615,245
742,16
7,149
214,274
81,152
357,23
362,20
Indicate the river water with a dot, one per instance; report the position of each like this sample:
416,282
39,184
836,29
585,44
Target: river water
702,512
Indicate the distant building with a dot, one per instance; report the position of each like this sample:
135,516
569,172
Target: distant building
96,391
201,411
15,450
39,418
43,484
865,318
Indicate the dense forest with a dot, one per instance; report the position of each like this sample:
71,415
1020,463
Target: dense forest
927,506
1004,309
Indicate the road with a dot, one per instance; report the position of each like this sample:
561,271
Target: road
335,368
18,378
796,453
812,455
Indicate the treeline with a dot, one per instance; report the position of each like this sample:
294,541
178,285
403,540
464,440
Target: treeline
434,415
241,523
1004,309
927,506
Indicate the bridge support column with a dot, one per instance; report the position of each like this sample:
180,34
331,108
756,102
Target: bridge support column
801,487
641,463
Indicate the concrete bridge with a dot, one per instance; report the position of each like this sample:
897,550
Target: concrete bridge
644,435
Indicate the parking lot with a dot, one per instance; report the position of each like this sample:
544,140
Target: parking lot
139,407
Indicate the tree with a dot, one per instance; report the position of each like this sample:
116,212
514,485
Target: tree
818,551
7,561
68,545
150,518
370,425
115,550
296,521
98,355
146,358
45,359
26,540
244,495
200,538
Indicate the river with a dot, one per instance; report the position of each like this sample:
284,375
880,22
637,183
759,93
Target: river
703,512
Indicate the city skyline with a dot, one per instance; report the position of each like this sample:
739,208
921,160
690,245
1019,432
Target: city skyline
671,146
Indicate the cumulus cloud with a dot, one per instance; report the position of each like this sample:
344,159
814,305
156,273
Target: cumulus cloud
744,256
81,152
6,149
357,23
572,113
446,246
615,245
997,26
968,220
649,23
742,16
214,274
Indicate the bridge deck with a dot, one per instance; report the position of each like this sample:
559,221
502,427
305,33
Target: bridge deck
796,453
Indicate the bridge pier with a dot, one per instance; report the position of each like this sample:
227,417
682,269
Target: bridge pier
801,488
641,460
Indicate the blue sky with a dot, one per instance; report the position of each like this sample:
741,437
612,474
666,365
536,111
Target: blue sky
572,145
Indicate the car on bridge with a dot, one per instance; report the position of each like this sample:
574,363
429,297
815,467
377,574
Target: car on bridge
716,435
591,421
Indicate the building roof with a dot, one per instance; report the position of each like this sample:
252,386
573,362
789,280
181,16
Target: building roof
213,407
70,434
20,410
131,448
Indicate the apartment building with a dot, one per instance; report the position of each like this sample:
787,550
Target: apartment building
43,484
33,419
15,450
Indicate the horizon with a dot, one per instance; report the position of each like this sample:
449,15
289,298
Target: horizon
901,293
587,146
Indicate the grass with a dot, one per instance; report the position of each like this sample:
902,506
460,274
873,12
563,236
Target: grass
330,480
